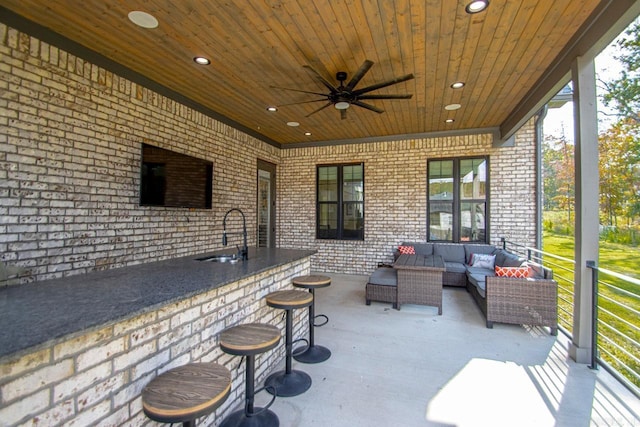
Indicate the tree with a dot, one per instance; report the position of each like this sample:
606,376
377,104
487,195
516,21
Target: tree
618,164
623,93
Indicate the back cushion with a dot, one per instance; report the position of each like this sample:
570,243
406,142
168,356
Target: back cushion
449,252
420,248
507,259
478,249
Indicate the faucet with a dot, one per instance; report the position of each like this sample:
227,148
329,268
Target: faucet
244,252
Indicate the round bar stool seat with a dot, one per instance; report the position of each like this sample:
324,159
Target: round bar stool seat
289,382
314,353
248,340
185,393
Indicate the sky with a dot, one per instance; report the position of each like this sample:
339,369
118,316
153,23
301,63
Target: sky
559,121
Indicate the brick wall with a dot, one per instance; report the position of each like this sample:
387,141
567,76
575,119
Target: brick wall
396,195
70,153
96,378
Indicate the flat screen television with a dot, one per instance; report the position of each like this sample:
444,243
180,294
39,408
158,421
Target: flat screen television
172,179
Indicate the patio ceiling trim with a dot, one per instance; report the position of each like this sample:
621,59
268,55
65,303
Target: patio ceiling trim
604,25
493,131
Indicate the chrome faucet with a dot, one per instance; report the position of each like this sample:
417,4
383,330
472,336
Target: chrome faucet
244,252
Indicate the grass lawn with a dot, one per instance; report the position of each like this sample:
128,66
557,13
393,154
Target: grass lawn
618,318
620,258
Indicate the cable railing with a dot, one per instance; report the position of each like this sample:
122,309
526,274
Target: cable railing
615,313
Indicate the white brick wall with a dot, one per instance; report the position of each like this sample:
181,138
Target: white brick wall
396,195
70,144
97,378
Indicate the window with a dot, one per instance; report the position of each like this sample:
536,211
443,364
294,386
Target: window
457,205
340,202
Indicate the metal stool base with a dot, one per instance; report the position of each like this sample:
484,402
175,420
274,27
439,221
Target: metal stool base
287,385
313,354
264,418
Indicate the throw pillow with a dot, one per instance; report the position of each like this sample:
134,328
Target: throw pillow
483,261
517,272
407,250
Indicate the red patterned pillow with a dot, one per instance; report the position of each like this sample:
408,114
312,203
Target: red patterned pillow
517,272
407,250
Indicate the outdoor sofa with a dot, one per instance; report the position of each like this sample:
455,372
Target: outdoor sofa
506,287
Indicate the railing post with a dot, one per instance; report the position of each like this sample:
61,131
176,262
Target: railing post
504,243
594,314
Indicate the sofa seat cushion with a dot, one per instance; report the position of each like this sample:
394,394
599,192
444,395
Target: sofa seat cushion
481,271
384,276
479,281
450,252
454,267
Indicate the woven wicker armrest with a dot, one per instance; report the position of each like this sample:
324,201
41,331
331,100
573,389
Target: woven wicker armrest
522,301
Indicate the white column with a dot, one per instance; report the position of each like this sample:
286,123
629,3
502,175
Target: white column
587,207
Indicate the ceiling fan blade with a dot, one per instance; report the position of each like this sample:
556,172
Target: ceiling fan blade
298,90
366,65
322,79
343,114
367,106
383,84
321,108
301,102
385,97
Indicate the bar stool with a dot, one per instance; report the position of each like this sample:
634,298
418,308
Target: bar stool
248,340
314,353
289,382
185,393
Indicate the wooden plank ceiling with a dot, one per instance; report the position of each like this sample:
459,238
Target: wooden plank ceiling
255,45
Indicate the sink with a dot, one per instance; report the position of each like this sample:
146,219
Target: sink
230,258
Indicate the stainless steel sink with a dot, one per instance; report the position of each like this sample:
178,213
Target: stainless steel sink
230,258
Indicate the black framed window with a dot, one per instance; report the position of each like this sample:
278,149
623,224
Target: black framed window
458,199
340,202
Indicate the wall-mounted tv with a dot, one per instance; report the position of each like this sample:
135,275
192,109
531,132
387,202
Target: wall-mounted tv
174,180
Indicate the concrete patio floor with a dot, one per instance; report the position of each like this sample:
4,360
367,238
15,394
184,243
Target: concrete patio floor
415,368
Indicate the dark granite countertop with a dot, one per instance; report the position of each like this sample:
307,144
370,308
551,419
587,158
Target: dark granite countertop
37,313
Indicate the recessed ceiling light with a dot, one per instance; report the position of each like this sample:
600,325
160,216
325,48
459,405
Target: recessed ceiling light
201,60
307,133
272,108
457,85
143,19
449,121
293,124
477,6
452,107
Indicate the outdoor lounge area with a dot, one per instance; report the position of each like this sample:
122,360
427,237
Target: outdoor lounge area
415,368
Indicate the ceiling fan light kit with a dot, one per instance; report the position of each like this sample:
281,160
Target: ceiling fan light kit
342,97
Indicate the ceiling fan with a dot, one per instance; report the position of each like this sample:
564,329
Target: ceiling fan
342,97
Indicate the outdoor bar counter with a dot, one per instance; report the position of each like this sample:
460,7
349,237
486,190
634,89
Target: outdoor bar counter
82,347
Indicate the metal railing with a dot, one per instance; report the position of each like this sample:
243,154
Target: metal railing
615,313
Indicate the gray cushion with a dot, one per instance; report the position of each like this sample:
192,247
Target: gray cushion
479,281
507,259
470,249
421,248
480,271
450,252
384,276
455,267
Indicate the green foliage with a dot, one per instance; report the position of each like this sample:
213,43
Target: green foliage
623,93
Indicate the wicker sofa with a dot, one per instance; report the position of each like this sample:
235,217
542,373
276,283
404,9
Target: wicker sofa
530,300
